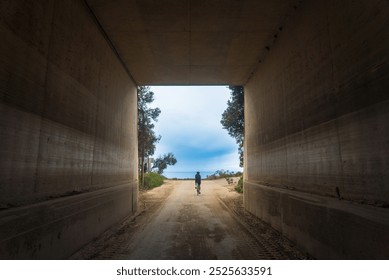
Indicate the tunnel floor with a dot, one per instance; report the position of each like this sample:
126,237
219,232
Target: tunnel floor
174,223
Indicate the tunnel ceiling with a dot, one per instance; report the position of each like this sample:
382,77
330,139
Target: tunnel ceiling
191,42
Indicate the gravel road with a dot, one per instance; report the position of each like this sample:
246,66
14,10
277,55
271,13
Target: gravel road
174,223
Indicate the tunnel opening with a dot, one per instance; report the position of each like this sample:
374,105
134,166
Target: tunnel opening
190,128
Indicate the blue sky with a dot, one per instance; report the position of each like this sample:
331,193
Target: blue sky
190,127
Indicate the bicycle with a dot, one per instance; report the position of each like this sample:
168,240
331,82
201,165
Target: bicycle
197,187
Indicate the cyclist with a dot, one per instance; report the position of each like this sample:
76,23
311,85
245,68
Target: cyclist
198,182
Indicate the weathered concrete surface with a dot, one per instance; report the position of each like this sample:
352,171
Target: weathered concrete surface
192,41
56,228
317,122
326,227
67,126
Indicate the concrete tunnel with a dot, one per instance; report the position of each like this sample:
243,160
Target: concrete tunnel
316,80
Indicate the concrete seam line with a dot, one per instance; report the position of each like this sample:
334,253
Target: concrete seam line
108,40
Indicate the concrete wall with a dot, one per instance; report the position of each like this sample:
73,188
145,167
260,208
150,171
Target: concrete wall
317,130
67,130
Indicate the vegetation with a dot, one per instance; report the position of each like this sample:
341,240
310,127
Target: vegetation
233,118
146,135
228,175
223,174
239,186
162,162
152,180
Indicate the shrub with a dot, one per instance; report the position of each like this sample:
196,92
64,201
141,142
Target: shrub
153,180
239,186
224,174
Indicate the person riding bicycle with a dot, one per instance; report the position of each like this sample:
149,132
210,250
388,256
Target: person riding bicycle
198,182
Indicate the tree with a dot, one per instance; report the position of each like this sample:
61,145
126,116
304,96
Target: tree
162,162
233,118
146,135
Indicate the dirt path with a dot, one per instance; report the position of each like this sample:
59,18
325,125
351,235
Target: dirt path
174,223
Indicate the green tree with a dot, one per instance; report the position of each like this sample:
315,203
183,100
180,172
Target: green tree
146,135
162,162
233,118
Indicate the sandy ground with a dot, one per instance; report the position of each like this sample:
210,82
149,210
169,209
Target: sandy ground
174,223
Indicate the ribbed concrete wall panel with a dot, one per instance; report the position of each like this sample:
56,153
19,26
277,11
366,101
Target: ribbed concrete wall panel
19,146
317,125
68,126
25,28
365,173
359,40
318,100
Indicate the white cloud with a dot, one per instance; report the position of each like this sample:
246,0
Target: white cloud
228,161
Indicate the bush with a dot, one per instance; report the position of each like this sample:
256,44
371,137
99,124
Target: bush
239,186
224,174
153,180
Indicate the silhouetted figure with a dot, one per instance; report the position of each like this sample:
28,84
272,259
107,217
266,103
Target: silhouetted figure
197,182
